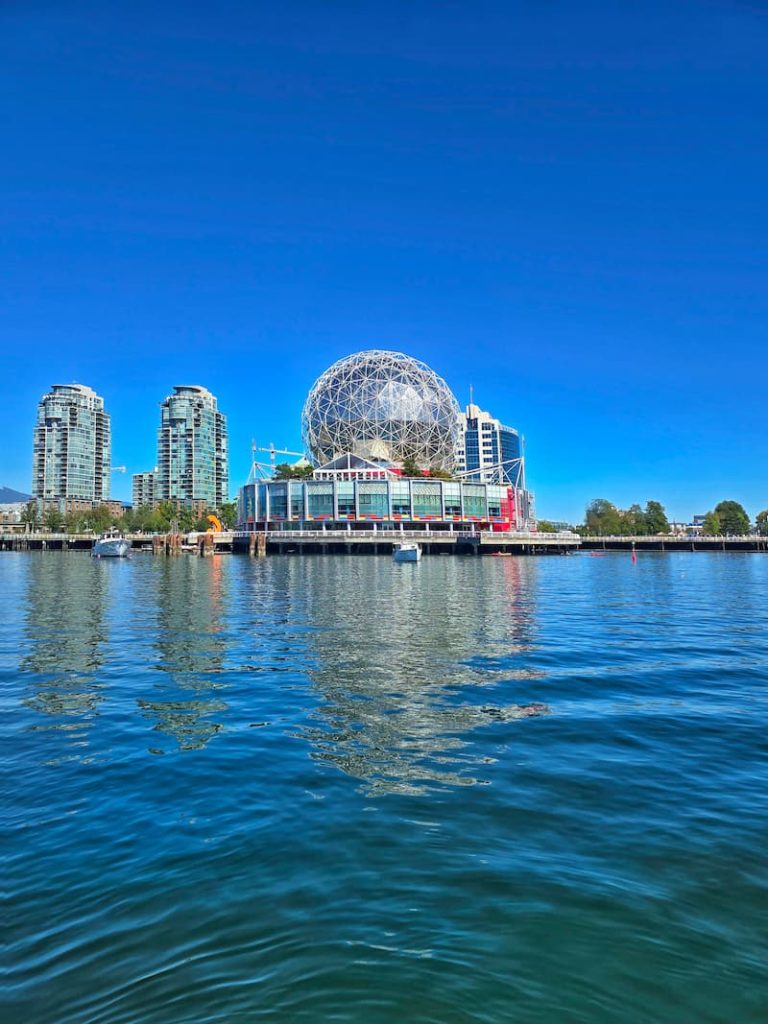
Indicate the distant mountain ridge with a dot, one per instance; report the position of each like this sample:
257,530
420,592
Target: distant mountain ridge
8,496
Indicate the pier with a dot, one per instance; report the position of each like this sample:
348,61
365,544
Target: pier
362,541
318,541
378,542
675,542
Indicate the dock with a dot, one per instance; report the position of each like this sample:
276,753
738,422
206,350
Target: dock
368,541
318,541
381,542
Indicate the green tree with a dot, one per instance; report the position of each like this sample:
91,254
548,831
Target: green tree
188,520
285,471
633,523
30,516
544,526
165,513
411,466
72,522
53,520
711,525
100,518
602,519
656,518
438,473
734,521
761,523
228,514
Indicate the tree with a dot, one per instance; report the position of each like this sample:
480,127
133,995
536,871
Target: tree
30,515
633,523
711,525
734,521
53,520
656,518
228,514
285,471
165,514
411,466
602,519
544,526
73,522
438,473
189,520
100,518
761,523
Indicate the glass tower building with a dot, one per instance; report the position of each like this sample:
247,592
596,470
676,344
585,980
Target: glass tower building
192,464
72,448
489,451
143,489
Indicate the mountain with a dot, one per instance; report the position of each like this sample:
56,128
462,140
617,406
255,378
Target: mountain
8,496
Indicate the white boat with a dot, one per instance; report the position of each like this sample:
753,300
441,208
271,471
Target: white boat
111,544
406,553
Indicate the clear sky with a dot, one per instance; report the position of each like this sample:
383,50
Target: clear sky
562,204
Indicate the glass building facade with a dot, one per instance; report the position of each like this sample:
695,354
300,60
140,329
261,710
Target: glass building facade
192,450
144,489
309,503
489,451
72,447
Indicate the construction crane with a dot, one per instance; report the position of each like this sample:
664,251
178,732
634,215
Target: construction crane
266,470
278,451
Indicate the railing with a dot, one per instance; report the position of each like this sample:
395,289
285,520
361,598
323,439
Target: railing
353,536
638,538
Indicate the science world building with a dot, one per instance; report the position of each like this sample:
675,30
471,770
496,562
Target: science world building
382,406
386,439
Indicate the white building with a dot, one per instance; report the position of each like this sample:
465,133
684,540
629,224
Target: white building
489,451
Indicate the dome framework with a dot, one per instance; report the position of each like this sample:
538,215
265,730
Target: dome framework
384,406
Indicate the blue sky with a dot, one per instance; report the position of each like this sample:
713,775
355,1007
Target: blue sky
561,204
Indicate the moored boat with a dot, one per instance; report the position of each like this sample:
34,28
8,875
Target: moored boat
406,553
111,544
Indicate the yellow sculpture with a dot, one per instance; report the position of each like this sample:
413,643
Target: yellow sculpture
215,526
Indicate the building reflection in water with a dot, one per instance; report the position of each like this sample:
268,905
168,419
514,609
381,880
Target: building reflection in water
191,644
411,659
66,600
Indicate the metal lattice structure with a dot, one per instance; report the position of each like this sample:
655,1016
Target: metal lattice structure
383,406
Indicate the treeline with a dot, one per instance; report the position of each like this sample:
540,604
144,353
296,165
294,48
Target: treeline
730,519
411,468
604,519
147,519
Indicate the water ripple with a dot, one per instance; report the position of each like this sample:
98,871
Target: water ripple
320,789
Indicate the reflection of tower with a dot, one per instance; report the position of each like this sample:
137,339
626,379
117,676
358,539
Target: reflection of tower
191,597
66,601
409,663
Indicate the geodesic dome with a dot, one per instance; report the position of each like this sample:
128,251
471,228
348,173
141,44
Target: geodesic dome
383,406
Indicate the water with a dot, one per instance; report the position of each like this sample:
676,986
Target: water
325,789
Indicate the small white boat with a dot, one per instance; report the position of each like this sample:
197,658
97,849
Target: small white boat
406,553
111,544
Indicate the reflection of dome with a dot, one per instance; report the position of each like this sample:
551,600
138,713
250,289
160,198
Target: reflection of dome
383,406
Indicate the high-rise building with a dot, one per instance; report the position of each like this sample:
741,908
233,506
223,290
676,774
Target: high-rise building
192,464
72,448
144,488
489,451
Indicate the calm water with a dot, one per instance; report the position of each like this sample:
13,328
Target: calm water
310,789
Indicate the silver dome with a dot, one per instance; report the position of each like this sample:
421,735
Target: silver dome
383,406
